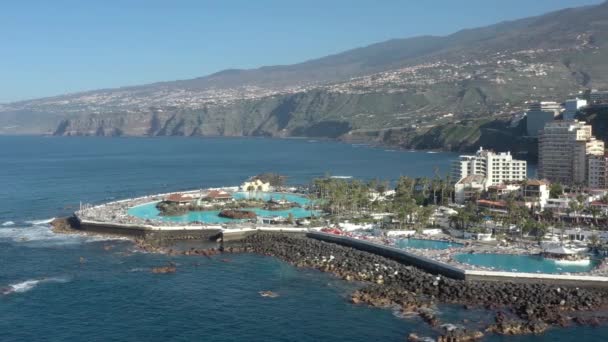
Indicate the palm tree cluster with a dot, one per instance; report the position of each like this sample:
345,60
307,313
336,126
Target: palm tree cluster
412,202
341,196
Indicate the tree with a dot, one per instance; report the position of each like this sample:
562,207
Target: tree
547,215
594,241
250,189
595,212
424,214
556,190
290,218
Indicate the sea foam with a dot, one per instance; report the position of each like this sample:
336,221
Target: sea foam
39,222
42,235
28,285
8,223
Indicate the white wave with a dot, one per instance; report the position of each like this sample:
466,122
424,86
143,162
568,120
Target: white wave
39,222
582,262
8,223
43,236
432,152
27,285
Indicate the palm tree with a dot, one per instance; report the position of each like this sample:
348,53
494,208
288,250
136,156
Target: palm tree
547,215
573,207
595,212
250,190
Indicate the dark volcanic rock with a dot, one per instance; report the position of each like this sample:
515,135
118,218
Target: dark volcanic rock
391,284
237,214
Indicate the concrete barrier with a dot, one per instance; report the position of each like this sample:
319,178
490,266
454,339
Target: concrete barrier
521,277
397,254
437,267
148,231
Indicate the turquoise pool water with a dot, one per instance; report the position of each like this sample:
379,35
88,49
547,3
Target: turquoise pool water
149,211
426,244
522,263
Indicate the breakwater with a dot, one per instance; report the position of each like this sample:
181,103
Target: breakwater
73,224
397,254
437,267
519,307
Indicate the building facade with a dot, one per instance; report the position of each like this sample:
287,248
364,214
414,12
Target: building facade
597,97
564,149
539,114
571,108
496,168
468,188
597,171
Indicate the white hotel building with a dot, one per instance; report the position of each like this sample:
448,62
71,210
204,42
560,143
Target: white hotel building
496,168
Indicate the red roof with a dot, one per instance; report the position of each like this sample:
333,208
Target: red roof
492,203
217,194
535,182
178,198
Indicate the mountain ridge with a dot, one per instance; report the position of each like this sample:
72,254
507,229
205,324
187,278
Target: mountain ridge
411,86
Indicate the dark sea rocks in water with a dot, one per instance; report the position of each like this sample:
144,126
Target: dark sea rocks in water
460,335
413,290
237,214
163,269
64,225
506,326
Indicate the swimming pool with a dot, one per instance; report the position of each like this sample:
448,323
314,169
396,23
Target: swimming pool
523,263
149,211
426,244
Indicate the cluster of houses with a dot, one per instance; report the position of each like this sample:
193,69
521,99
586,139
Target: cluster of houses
569,155
216,196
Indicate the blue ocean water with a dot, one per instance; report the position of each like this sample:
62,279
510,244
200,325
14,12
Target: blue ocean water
522,263
71,288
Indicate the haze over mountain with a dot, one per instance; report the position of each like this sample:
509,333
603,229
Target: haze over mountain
422,92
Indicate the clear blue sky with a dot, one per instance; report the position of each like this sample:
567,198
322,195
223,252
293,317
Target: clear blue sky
51,47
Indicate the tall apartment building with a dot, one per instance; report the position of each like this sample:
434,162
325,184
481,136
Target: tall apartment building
571,107
539,114
598,97
564,149
597,171
496,168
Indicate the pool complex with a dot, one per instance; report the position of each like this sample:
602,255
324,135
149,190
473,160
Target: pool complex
523,263
426,244
149,211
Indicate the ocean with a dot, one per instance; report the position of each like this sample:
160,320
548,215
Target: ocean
72,288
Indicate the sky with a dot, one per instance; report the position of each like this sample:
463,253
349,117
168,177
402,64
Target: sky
61,46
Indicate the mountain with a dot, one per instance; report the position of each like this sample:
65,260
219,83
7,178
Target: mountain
428,91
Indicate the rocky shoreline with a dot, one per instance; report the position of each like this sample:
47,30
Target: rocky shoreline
518,308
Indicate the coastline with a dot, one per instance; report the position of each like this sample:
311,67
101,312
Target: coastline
369,143
518,308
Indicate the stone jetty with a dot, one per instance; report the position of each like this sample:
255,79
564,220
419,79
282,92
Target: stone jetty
520,308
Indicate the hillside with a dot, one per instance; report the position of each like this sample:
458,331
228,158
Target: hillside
422,92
